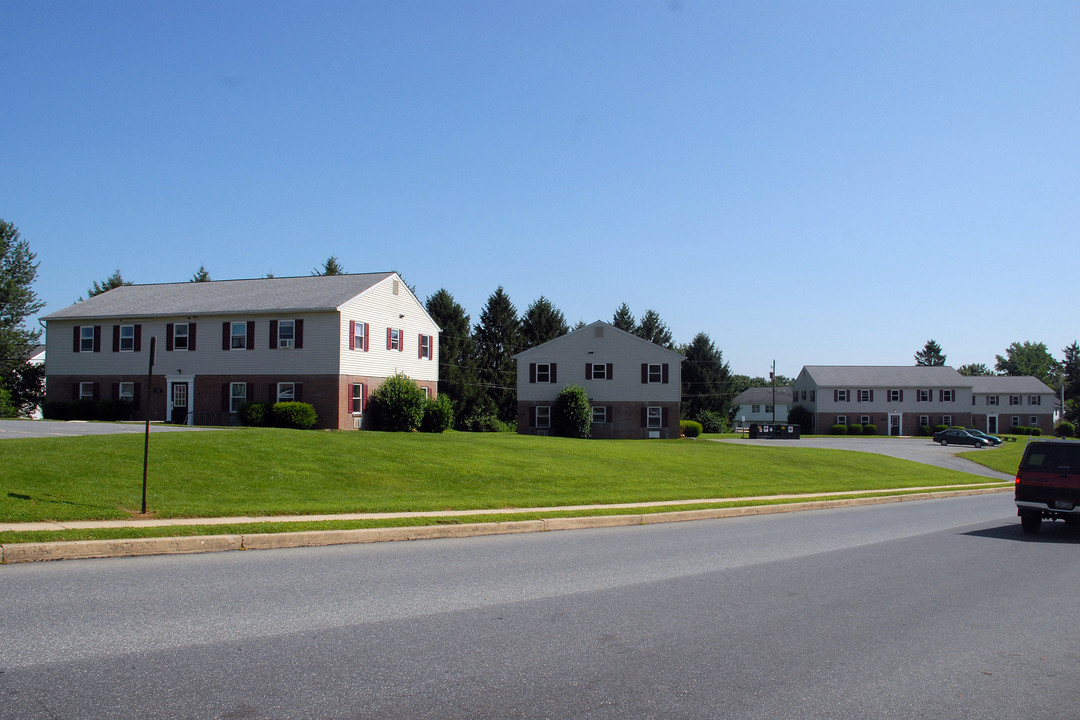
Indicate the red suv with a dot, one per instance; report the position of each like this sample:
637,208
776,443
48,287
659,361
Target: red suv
1048,484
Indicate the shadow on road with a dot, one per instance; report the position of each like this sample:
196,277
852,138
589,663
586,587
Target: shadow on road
1051,532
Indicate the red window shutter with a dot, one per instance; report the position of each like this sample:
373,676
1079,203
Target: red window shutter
871,396
352,334
644,375
419,346
225,396
367,344
116,338
76,344
191,336
532,372
588,371
610,367
138,338
401,340
168,336
251,335
298,333
273,334
858,396
225,336
97,338
389,335
664,368
554,374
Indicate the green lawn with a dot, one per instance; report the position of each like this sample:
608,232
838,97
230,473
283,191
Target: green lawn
276,472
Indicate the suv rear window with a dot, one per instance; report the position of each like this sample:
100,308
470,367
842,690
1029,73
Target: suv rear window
1051,456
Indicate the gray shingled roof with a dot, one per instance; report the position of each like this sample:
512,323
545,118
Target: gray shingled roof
885,376
1007,385
764,395
289,294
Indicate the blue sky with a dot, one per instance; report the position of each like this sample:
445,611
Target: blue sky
810,182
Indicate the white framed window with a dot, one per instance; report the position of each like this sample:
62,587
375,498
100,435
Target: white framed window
599,371
768,408
425,347
656,376
841,419
864,420
1034,400
865,395
286,333
894,396
655,418
238,337
543,372
924,421
543,416
1034,421
841,396
286,392
359,336
237,394
86,391
127,338
948,396
599,414
946,420
180,336
86,338
754,409
426,390
992,400
126,392
394,339
924,396
357,398
1015,400
1016,421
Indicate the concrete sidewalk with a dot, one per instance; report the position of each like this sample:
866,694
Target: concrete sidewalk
81,549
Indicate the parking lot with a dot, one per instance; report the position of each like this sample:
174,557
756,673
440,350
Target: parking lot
10,429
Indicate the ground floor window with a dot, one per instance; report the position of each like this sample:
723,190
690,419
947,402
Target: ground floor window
655,418
357,398
1034,421
946,420
126,392
841,419
286,392
864,420
1016,421
86,391
924,421
599,414
543,416
237,396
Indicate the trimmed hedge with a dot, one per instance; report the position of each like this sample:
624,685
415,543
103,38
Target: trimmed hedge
870,429
1021,430
438,415
294,415
690,428
1065,429
838,429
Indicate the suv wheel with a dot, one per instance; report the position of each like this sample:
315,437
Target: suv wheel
1031,523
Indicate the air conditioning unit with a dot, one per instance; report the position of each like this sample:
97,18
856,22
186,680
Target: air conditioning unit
356,422
285,344
542,431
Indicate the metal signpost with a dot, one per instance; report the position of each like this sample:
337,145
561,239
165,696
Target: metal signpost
149,397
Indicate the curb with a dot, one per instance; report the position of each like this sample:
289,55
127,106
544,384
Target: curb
137,547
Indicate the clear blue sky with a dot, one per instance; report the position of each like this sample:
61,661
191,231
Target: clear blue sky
810,182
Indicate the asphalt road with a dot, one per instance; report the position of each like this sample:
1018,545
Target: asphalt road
929,609
73,428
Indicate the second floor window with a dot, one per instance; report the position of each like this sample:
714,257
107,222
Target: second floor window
543,372
180,336
127,338
286,333
86,338
238,336
841,396
948,396
393,339
425,347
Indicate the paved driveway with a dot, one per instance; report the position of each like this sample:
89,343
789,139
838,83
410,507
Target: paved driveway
922,450
56,428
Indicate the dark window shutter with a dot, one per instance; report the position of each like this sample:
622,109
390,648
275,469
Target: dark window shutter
836,396
352,334
298,333
664,368
191,336
554,367
644,375
901,396
871,396
273,334
97,338
664,416
588,371
115,391
116,338
532,372
251,335
97,390
298,394
644,417
76,345
138,396
532,417
367,343
250,392
75,391
168,336
138,338
610,367
225,336
271,394
225,396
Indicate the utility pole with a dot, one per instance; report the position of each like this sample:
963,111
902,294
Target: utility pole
772,378
149,397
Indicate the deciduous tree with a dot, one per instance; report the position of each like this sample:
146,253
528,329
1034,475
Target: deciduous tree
18,301
1029,358
974,370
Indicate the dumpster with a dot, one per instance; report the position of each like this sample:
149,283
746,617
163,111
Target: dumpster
774,431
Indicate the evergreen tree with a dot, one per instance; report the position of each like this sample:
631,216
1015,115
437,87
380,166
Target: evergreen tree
624,319
331,267
113,281
542,322
653,329
1029,358
457,373
1070,376
201,275
706,378
18,301
931,354
498,337
974,370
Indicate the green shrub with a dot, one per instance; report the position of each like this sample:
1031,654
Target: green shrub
571,415
294,415
398,404
256,414
854,429
1065,429
712,422
7,408
869,429
438,414
838,430
483,422
939,428
925,431
1022,430
690,428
